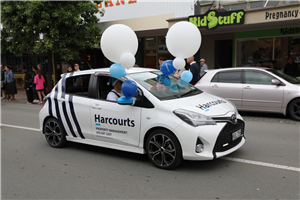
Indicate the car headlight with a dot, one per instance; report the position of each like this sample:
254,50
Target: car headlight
193,118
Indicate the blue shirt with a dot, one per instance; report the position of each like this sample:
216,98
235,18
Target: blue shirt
9,77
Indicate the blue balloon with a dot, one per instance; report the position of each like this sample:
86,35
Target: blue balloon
187,76
117,71
183,83
129,88
167,67
167,82
161,78
174,88
125,100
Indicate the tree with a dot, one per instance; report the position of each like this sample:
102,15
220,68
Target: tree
67,27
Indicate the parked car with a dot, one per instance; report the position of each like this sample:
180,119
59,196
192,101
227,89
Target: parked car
169,122
255,89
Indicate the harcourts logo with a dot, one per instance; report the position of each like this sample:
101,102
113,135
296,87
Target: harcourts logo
210,104
113,121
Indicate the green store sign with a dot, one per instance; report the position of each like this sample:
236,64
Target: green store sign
212,19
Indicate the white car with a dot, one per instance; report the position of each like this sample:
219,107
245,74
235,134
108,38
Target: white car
254,89
168,123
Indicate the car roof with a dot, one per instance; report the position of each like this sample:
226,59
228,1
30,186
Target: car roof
236,68
106,70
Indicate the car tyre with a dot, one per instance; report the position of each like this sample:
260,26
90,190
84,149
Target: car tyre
163,149
294,109
54,133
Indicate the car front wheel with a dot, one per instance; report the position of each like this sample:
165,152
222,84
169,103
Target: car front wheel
294,109
163,149
54,133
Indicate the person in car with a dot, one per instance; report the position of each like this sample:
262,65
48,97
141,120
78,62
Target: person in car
115,93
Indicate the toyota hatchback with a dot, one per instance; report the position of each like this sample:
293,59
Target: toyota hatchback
168,122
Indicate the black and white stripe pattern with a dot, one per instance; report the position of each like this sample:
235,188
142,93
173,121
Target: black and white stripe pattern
63,109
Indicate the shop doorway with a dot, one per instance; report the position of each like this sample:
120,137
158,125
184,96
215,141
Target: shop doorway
223,53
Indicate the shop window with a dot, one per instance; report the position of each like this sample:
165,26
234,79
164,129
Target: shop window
286,47
239,6
292,1
254,52
257,4
226,8
272,3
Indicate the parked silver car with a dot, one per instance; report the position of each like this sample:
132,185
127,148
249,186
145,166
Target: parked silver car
255,89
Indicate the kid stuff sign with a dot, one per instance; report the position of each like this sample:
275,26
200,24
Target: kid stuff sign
212,19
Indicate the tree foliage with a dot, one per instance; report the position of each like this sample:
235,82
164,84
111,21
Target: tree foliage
67,27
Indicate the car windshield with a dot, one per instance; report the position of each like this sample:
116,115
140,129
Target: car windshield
284,76
164,87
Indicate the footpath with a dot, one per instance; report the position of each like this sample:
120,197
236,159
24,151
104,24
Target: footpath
20,98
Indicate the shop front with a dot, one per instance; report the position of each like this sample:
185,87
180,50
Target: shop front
250,37
258,48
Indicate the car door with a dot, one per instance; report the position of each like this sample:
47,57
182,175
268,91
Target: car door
259,93
228,85
71,103
111,122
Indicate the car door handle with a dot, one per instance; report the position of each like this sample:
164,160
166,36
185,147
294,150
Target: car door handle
96,106
61,100
248,87
215,86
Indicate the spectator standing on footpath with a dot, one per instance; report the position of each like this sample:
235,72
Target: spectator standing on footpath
35,96
69,68
28,86
39,84
272,64
203,67
291,68
3,78
76,67
160,61
44,74
10,84
194,68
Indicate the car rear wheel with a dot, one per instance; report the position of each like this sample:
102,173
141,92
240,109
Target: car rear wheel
163,149
294,109
54,133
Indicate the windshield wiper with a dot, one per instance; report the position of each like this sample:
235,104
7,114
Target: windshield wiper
189,92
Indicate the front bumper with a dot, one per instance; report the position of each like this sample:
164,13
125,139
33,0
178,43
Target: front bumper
216,139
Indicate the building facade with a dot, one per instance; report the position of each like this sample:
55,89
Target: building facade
270,30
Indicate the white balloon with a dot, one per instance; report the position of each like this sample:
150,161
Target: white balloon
183,39
127,60
179,63
117,40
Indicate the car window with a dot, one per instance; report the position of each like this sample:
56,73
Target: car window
78,85
104,86
228,77
257,78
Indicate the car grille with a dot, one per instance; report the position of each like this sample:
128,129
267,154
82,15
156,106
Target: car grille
224,141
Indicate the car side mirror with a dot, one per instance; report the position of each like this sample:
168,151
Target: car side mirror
275,82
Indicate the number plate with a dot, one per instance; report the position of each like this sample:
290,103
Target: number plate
236,134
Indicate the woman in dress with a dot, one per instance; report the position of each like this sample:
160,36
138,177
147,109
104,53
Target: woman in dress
10,84
39,86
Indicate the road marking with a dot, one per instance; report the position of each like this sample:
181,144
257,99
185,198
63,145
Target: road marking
20,127
262,164
224,158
